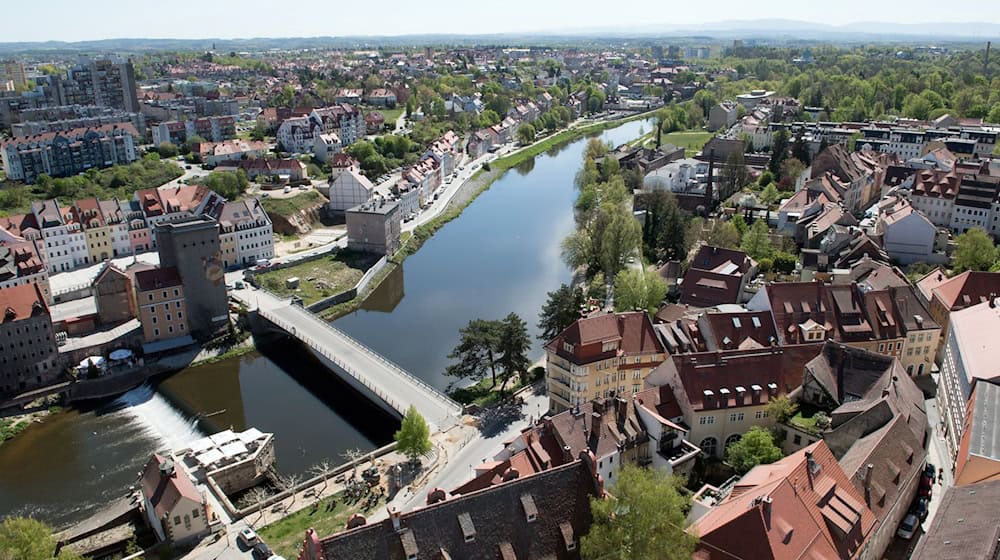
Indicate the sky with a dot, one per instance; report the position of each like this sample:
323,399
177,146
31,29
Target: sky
76,20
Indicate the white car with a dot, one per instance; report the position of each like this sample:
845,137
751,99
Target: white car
247,537
908,527
287,190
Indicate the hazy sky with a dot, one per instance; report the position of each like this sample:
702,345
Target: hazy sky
74,20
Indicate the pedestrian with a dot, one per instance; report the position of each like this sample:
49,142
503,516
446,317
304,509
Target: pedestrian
941,475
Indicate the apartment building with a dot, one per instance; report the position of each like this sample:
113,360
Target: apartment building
102,82
162,307
61,154
28,354
599,357
212,129
245,233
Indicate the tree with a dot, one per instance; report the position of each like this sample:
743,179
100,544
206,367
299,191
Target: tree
619,240
770,194
639,289
781,409
722,234
756,447
735,175
791,168
22,538
229,184
323,469
259,131
512,347
526,133
642,519
413,438
167,150
974,250
562,308
291,483
665,228
779,151
756,242
475,351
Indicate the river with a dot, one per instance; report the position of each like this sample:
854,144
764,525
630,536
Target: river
500,256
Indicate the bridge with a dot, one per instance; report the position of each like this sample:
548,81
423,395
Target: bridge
358,365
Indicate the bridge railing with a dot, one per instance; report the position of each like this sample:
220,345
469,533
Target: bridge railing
371,353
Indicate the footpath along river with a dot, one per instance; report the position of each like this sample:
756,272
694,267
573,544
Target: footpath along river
501,255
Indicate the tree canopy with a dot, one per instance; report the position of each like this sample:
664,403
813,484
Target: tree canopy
561,309
499,347
974,250
756,447
639,289
29,539
756,241
644,518
413,436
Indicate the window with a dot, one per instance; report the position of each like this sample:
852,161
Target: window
732,439
709,446
760,414
797,440
177,520
706,420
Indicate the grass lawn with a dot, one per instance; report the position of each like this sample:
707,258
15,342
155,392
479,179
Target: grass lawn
391,115
320,278
485,394
289,206
285,537
805,419
691,140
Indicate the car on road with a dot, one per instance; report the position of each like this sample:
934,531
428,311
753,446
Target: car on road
187,167
286,190
248,537
908,527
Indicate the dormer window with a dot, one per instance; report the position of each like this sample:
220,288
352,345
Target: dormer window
609,346
568,347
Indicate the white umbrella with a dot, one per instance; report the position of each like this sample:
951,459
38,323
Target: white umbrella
121,354
95,361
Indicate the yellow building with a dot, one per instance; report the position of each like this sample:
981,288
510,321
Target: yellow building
97,230
600,357
162,308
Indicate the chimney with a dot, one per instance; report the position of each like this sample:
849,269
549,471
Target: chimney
812,467
993,300
621,408
868,475
567,453
595,424
394,516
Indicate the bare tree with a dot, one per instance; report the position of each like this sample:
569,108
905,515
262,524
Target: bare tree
291,482
322,469
258,496
353,456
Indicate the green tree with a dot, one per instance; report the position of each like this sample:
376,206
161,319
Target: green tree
722,234
639,289
512,346
779,151
735,175
770,194
781,409
756,242
756,447
791,168
526,133
665,227
413,437
619,240
166,150
229,184
562,308
974,250
28,539
642,519
259,131
476,351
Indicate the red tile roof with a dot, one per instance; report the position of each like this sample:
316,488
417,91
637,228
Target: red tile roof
164,492
157,278
632,331
21,302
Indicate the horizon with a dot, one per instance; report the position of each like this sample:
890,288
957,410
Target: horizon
249,19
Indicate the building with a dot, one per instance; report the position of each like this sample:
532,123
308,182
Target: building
717,276
381,97
217,153
212,129
101,82
965,525
750,100
193,248
802,506
274,170
967,361
661,418
21,264
538,516
943,296
245,233
600,357
722,116
28,354
61,154
374,227
12,72
349,189
907,235
161,305
173,507
69,117
978,458
234,461
326,145
114,296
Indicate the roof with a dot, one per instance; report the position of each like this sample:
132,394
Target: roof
157,278
975,331
802,506
164,490
980,438
618,426
497,515
968,288
965,525
847,373
632,331
21,302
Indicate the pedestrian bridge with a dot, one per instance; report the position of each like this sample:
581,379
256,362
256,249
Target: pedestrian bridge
390,385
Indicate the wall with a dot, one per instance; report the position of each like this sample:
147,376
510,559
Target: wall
246,473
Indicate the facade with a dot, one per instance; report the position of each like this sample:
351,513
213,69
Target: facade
600,357
161,306
349,189
721,116
193,247
326,145
20,264
102,82
217,153
278,170
28,354
173,507
114,296
907,235
978,458
212,129
65,241
245,233
943,296
61,154
967,361
374,227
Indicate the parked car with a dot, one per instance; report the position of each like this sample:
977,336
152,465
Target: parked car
261,551
908,527
247,537
930,471
187,167
926,487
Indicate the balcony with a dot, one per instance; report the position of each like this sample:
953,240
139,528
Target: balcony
680,454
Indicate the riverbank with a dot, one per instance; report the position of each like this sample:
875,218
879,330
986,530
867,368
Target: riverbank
12,426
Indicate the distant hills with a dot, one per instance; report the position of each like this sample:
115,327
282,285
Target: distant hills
778,30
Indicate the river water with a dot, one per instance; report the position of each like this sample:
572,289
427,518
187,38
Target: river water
501,255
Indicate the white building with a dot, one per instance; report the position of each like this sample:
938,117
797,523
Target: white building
683,175
326,145
65,240
298,134
174,508
349,189
245,227
907,235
